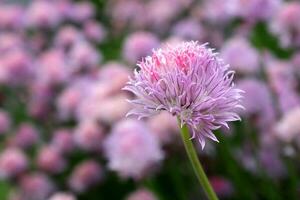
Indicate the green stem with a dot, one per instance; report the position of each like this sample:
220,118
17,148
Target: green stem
198,169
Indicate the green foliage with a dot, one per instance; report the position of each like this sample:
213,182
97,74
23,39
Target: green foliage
262,39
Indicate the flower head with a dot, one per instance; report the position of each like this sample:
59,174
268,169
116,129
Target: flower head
258,103
36,185
137,45
13,162
222,186
132,151
26,136
189,81
141,194
62,196
50,160
241,56
85,175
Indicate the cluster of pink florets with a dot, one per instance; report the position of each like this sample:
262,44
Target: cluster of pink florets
188,81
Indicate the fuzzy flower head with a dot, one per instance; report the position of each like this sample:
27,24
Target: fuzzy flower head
189,81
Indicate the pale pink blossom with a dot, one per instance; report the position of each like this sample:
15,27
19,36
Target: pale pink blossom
12,162
43,14
241,56
138,45
88,135
50,160
26,136
37,186
85,175
287,129
62,196
131,149
141,194
163,126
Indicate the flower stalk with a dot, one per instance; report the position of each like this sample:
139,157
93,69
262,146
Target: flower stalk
198,169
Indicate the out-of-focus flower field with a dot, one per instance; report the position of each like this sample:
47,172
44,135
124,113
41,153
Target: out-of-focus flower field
63,130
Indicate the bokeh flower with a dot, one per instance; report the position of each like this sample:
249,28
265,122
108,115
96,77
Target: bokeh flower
12,162
287,129
258,103
139,45
141,194
36,186
163,126
50,160
86,174
190,81
26,136
62,196
131,149
63,141
222,186
241,56
89,135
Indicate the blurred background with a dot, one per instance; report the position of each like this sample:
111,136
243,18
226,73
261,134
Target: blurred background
63,131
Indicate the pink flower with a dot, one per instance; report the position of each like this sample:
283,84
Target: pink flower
255,10
188,81
258,102
286,24
112,109
72,95
126,13
141,194
115,74
88,107
160,13
85,175
50,160
26,136
89,135
241,56
222,186
17,65
12,162
67,36
11,16
10,41
218,11
40,96
189,29
287,128
296,63
163,126
94,31
62,196
84,56
43,14
63,141
271,162
139,45
36,186
131,149
283,81
82,11
52,67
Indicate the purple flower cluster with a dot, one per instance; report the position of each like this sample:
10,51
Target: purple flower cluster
188,81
